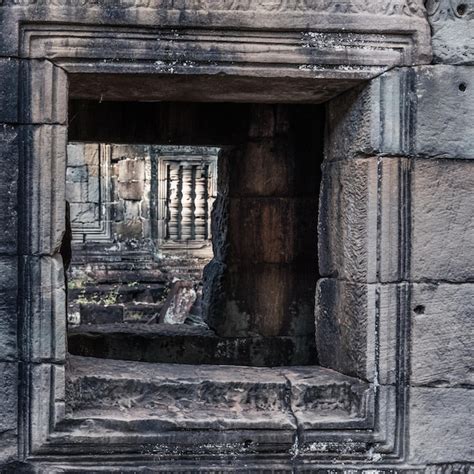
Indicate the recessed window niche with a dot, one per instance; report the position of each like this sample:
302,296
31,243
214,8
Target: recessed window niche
209,208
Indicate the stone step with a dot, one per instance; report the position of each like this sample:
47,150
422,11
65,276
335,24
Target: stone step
185,344
92,314
104,392
132,293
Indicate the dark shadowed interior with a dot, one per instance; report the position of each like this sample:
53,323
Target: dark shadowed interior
249,301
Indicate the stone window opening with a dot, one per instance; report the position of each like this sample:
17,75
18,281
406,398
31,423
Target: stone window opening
79,411
254,302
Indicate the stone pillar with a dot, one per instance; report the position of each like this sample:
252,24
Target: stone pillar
174,202
200,204
263,277
187,202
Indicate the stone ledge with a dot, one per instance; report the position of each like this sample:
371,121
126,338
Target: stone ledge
184,344
181,397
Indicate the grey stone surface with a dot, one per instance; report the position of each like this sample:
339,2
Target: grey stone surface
9,90
184,344
452,25
8,411
178,303
8,325
187,397
348,220
441,426
342,325
442,335
361,218
441,127
371,119
44,308
44,155
442,220
44,88
357,328
9,150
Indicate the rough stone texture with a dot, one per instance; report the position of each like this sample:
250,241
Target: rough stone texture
442,335
261,398
44,310
44,157
441,124
342,325
9,138
8,411
178,303
371,119
442,220
376,118
8,325
312,51
441,425
186,344
45,93
452,30
262,278
131,174
9,90
357,328
348,220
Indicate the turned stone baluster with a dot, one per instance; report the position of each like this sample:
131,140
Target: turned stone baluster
200,204
173,201
187,205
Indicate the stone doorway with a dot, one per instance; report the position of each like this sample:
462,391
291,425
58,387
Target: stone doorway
257,304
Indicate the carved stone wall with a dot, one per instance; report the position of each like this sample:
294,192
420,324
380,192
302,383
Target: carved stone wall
395,226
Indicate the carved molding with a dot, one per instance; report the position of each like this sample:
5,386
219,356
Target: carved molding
441,10
373,7
379,426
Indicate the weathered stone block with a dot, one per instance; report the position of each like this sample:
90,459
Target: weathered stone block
45,93
452,26
442,220
353,323
342,325
8,325
441,425
9,68
101,314
8,273
84,213
9,138
371,119
8,410
361,219
132,229
178,303
445,105
348,220
442,334
273,167
44,307
43,194
75,154
265,299
273,230
131,176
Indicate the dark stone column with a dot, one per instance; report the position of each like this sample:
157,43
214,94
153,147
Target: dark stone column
262,279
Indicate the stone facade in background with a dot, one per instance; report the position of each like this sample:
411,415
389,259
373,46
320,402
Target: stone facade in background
394,304
140,219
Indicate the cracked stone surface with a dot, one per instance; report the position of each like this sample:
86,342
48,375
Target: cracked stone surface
175,396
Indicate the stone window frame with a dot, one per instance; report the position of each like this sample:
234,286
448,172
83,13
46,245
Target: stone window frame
102,231
166,155
50,53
